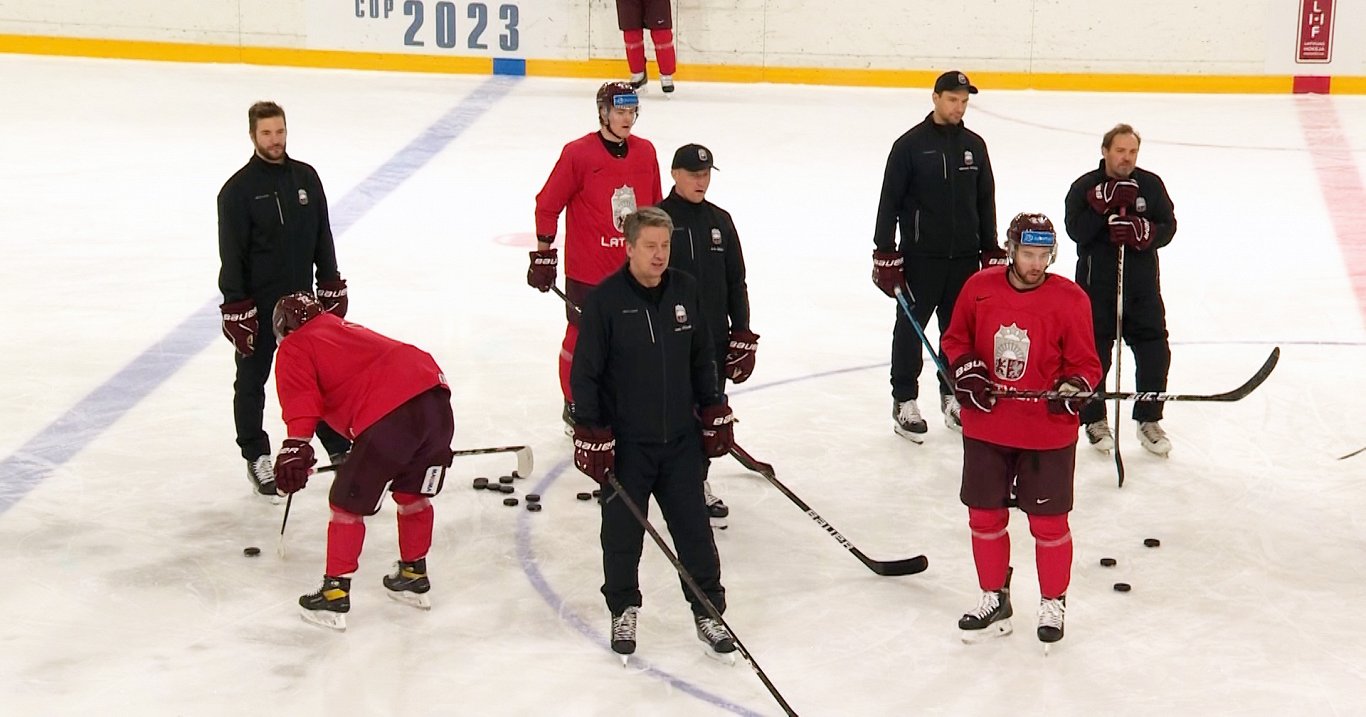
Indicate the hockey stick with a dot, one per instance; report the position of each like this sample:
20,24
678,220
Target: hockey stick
712,612
908,566
525,460
1236,394
1119,351
939,364
280,544
1353,453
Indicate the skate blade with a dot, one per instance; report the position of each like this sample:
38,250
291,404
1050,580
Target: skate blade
421,601
725,658
325,618
916,438
720,523
1000,628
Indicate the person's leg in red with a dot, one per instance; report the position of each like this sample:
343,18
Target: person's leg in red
1053,555
991,554
345,538
409,583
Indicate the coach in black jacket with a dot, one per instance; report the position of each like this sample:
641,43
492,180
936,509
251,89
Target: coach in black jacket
643,372
938,187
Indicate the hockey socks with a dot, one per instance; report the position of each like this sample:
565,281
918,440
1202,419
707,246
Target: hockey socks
345,538
664,52
571,339
1052,553
990,546
415,516
635,50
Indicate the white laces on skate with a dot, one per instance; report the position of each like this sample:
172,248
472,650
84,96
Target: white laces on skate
624,625
710,497
263,470
713,630
1152,432
1051,613
990,601
908,412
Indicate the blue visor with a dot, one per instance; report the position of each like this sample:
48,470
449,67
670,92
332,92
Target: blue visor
1037,238
625,101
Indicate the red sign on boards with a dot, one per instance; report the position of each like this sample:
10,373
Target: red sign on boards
1315,41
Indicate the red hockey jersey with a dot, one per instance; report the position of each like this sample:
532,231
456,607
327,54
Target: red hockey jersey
595,190
1030,339
347,375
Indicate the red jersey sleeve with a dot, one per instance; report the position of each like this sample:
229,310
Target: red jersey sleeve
958,339
1079,356
296,382
555,195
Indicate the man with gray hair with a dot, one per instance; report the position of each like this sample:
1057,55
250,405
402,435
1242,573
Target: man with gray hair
644,373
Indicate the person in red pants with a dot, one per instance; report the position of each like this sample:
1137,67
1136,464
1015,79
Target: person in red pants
1019,327
634,17
392,401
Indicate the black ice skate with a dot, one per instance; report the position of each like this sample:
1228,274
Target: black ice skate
329,605
262,476
568,417
717,511
1051,613
666,83
409,584
1098,435
992,616
639,80
717,637
1153,439
624,633
909,423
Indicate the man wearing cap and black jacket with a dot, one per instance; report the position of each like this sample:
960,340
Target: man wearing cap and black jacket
706,245
938,186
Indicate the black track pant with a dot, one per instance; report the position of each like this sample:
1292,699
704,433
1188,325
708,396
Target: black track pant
249,399
934,284
1145,331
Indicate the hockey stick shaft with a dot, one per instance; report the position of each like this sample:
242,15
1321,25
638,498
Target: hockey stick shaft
525,458
1358,451
567,302
280,544
1119,351
939,363
1236,394
908,566
707,604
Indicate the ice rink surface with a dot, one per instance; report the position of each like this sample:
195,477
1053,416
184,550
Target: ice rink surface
124,509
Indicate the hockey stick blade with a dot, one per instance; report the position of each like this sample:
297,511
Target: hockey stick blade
525,459
1236,394
1357,452
907,566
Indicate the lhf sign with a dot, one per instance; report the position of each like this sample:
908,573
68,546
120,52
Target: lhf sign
1315,41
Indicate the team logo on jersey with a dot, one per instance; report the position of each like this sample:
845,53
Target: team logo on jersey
303,197
623,203
715,236
1011,352
1141,204
680,314
967,158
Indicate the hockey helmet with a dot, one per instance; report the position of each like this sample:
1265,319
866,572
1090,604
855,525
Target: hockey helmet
293,311
616,94
1031,229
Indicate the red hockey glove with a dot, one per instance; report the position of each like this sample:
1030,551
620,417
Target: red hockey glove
972,383
718,432
887,271
994,257
1112,195
332,295
1133,232
293,464
541,275
740,355
595,451
239,325
1068,385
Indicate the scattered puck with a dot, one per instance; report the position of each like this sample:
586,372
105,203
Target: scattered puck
533,498
506,488
509,501
251,552
515,474
533,507
506,479
1152,542
1122,587
584,496
481,483
597,494
1107,562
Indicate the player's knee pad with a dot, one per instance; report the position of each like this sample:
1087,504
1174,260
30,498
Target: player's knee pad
409,503
1050,529
988,523
345,517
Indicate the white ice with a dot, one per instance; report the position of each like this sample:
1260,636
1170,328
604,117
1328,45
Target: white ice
126,590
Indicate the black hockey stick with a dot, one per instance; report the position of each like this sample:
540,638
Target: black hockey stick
525,461
707,604
1119,351
908,566
1353,453
280,544
1236,394
939,363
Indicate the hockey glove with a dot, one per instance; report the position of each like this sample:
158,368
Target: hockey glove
541,275
887,271
718,432
1133,232
994,256
1112,195
239,325
1069,385
740,355
293,464
595,451
972,383
332,295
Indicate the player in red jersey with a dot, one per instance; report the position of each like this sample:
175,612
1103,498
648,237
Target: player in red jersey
392,401
599,179
1019,327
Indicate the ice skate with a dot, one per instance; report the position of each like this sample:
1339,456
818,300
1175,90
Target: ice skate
909,423
719,641
1050,620
262,476
952,413
409,584
1098,435
666,83
716,510
624,633
639,80
1154,439
568,418
990,619
329,605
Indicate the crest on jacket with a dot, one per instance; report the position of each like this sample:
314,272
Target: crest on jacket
967,158
715,236
303,198
1011,351
623,203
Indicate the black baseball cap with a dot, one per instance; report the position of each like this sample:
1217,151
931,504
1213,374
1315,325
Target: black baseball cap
953,80
692,157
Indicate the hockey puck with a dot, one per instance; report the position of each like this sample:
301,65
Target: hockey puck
515,474
481,483
1122,587
1152,542
251,552
533,507
506,479
533,498
584,496
1107,562
597,494
509,502
506,488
